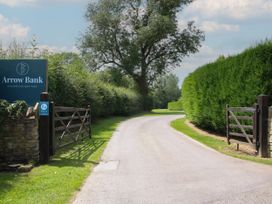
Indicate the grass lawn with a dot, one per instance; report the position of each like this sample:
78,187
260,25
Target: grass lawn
57,181
155,112
214,143
63,176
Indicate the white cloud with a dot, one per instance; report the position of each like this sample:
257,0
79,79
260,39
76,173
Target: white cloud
211,26
183,22
13,3
10,30
206,54
237,9
56,49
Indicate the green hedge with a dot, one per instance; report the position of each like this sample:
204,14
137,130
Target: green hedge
175,105
70,84
236,80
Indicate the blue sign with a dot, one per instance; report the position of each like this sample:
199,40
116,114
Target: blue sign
44,108
23,80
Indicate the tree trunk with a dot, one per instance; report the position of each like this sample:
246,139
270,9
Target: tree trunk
144,91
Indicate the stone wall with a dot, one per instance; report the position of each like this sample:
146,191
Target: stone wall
19,140
270,130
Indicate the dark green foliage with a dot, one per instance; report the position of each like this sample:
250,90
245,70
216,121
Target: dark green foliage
175,105
3,110
17,110
71,85
116,78
236,80
13,111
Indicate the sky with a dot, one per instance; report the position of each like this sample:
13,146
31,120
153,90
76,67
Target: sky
230,26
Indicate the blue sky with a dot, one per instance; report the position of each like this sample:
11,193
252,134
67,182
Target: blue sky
57,24
230,25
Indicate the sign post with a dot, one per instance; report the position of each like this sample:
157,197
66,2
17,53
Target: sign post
44,128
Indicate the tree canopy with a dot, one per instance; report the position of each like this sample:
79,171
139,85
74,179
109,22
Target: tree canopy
141,38
165,90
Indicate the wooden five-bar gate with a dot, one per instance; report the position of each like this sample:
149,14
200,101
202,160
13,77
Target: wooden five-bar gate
250,125
68,125
242,125
60,126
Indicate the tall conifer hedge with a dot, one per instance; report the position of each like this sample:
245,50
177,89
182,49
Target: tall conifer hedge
236,80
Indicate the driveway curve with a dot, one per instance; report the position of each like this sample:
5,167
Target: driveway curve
148,162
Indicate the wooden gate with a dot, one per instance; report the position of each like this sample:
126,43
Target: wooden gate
242,125
250,125
68,125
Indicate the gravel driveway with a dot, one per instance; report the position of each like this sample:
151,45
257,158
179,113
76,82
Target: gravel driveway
147,162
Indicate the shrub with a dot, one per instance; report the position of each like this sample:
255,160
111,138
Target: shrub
175,105
3,110
16,110
236,80
70,84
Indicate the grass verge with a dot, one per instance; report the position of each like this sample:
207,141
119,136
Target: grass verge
155,112
214,143
64,175
58,181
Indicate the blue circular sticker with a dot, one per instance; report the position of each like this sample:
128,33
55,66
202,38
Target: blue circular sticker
44,107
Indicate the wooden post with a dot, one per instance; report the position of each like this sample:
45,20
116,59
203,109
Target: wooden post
263,126
227,123
256,127
44,130
90,120
52,138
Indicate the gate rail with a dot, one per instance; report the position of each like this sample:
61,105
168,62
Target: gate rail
68,125
242,125
250,125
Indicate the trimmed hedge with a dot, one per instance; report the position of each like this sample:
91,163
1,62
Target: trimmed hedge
236,80
70,84
175,105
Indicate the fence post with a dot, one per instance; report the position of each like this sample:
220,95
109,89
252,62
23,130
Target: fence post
44,128
256,127
269,130
52,138
90,120
227,123
263,126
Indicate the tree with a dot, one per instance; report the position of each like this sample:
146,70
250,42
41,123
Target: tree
16,50
20,50
141,38
166,89
2,51
115,77
34,49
